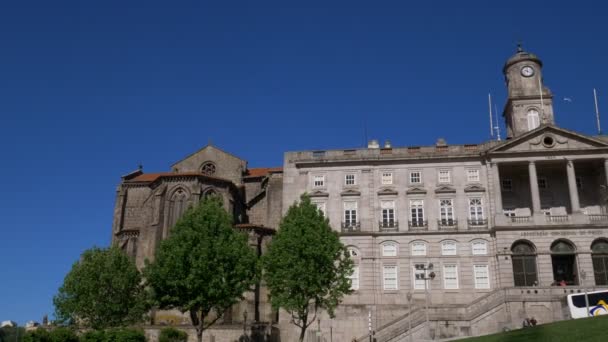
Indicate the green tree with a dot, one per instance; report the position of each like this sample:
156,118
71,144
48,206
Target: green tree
63,334
172,335
38,335
204,265
12,334
103,289
306,267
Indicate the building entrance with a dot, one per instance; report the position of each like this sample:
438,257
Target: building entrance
564,263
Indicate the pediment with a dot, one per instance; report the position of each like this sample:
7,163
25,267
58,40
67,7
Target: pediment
318,193
444,189
549,138
474,188
350,193
416,190
387,192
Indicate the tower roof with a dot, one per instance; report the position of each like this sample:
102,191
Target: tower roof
521,55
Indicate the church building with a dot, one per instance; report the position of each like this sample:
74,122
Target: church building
472,238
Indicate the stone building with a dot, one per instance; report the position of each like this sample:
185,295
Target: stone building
501,222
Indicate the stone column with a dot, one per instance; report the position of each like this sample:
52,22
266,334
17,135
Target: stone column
497,187
574,203
534,188
606,169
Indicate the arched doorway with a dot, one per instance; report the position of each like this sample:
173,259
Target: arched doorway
524,264
599,250
563,258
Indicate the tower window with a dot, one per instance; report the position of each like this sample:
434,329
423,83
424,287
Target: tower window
533,119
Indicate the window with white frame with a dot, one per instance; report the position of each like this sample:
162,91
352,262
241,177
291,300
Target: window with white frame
509,212
448,247
389,274
350,214
419,282
542,182
533,119
476,210
417,213
506,184
444,176
389,249
350,179
450,277
415,177
446,211
388,213
321,205
318,181
354,278
387,178
482,276
473,175
479,247
418,248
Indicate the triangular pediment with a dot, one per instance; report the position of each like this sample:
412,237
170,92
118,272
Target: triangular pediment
549,138
350,193
416,190
445,189
387,192
474,188
318,193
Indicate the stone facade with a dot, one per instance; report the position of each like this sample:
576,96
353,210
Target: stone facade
502,222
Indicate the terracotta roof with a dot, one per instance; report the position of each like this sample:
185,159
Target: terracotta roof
262,171
151,177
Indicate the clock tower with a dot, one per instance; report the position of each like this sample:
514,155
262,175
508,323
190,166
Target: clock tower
530,103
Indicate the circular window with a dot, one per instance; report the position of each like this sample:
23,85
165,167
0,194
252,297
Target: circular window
208,168
548,141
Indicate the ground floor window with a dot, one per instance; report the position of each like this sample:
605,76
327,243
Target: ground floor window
599,248
564,263
524,264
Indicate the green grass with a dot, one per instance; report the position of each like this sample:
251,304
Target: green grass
577,330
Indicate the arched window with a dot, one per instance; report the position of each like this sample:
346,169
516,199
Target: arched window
564,263
177,205
389,249
599,255
353,253
524,264
533,119
449,247
479,247
418,248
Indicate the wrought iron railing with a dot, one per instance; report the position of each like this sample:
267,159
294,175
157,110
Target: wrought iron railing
388,226
447,223
418,224
351,227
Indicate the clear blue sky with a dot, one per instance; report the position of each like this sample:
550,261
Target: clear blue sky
89,89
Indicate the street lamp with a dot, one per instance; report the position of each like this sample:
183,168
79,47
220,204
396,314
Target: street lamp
583,277
426,277
409,316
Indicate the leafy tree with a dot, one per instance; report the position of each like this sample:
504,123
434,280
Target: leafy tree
63,334
38,335
204,266
172,335
306,267
12,334
103,289
124,335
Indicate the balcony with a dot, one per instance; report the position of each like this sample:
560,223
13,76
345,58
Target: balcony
477,223
520,219
349,227
389,226
557,218
447,224
598,218
418,225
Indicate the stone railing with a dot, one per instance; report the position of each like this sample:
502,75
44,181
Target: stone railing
557,218
520,219
598,217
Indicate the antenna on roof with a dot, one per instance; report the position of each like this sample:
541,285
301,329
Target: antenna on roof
497,127
597,113
490,111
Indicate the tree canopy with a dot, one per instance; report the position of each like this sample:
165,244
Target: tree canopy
103,289
204,265
306,267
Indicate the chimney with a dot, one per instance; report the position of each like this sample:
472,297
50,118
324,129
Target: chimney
373,144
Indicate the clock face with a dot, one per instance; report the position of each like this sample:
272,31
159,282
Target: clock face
527,71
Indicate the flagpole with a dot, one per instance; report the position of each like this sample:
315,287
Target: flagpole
490,111
597,113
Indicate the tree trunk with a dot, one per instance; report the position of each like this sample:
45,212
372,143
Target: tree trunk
198,323
303,328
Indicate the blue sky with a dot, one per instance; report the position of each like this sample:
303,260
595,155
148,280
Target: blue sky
90,89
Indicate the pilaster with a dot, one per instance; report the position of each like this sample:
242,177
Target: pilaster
572,189
534,188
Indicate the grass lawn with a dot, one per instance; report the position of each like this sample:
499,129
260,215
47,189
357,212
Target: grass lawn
576,330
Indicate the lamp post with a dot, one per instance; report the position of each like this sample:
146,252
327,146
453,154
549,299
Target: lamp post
426,277
409,316
583,277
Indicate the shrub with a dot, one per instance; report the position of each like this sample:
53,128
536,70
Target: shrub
38,335
93,336
172,335
124,335
63,334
